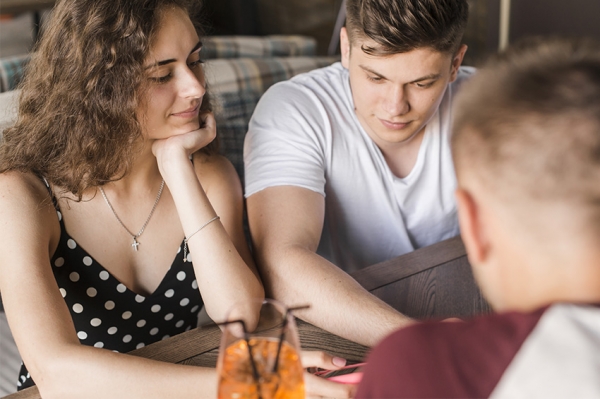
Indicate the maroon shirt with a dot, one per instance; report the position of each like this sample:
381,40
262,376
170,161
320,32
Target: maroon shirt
446,359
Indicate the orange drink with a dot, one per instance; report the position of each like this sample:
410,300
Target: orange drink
236,378
262,362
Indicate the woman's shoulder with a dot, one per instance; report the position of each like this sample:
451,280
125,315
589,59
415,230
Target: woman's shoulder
25,199
217,173
22,187
211,166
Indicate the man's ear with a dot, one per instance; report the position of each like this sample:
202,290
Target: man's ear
472,230
345,47
457,61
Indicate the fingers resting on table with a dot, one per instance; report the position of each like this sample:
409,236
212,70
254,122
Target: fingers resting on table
318,387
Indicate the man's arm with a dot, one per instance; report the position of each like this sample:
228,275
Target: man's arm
286,224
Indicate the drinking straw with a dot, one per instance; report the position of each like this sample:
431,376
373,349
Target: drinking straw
283,327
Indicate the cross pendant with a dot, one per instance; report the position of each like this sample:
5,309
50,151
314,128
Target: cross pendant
135,244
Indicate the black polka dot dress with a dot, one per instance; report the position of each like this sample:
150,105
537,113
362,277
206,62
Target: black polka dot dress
107,314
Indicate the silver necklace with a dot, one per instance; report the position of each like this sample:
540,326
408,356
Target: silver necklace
135,236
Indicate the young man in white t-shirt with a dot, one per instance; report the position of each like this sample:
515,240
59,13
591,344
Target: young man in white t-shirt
350,165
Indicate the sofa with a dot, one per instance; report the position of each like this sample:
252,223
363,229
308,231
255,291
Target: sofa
238,71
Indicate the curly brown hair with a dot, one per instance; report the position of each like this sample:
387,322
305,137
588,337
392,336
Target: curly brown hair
77,108
399,26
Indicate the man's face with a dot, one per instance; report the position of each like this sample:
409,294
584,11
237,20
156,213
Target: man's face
395,96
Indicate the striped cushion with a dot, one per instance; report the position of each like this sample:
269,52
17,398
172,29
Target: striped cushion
257,47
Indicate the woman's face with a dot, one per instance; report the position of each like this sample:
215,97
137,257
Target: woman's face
176,79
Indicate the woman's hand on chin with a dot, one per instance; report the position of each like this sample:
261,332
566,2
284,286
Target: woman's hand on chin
184,145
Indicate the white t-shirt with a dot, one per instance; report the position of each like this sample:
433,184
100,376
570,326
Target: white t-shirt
305,133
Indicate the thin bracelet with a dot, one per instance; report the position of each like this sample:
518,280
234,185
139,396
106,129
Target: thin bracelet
185,240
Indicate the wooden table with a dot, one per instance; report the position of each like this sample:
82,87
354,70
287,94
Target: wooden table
431,282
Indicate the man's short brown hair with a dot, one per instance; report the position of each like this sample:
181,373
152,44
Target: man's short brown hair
527,126
399,26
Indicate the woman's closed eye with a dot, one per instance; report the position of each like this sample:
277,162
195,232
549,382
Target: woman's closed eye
161,79
159,73
166,77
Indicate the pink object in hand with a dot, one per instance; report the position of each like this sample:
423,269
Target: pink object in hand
352,378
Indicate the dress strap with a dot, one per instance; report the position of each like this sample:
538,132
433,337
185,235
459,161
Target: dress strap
45,181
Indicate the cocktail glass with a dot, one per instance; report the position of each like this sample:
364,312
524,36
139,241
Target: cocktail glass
263,363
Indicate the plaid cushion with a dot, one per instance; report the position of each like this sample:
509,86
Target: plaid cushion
236,86
233,114
257,46
257,74
11,71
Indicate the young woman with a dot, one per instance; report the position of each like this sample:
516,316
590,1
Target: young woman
118,220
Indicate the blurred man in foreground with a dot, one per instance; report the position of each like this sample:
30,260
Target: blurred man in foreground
526,149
